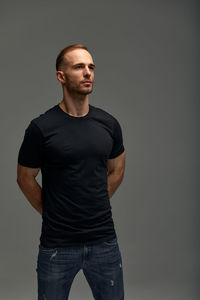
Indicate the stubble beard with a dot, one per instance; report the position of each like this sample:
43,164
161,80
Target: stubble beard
78,89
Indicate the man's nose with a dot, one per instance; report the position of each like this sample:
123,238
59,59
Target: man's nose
87,71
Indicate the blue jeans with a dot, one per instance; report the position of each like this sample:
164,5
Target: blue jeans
101,264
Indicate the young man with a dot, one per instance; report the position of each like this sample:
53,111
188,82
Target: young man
79,149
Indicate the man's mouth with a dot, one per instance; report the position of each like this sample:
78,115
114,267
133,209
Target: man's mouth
87,82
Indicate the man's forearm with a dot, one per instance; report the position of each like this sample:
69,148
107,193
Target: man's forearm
114,180
33,192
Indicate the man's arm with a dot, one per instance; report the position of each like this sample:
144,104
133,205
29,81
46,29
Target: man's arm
29,186
116,169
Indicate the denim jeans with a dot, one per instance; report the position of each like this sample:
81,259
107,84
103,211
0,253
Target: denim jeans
101,265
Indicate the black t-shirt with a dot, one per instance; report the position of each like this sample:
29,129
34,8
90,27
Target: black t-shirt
72,153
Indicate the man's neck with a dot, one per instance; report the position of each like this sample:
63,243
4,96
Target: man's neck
75,107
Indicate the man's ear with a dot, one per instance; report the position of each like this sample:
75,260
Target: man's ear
60,76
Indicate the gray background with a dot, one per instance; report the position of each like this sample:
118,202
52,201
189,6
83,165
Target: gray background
146,76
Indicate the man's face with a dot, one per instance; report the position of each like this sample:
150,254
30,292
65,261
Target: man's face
79,67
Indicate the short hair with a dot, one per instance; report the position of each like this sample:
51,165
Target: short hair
60,57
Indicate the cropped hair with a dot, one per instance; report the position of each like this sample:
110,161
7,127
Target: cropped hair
60,57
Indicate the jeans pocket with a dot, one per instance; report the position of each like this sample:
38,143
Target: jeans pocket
47,250
111,242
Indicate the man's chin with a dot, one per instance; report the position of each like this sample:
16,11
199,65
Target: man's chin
85,92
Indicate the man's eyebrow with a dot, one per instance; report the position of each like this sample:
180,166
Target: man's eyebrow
83,64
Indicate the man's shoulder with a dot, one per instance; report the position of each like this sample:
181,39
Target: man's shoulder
44,117
104,114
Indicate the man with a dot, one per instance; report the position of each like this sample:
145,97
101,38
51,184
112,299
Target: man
79,149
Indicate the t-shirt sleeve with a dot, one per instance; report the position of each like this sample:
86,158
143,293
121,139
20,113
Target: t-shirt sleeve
118,146
31,150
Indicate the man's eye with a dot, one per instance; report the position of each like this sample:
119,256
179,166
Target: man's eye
78,67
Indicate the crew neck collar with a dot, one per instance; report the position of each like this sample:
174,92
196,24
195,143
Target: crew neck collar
73,117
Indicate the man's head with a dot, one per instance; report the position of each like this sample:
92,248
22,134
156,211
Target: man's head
74,66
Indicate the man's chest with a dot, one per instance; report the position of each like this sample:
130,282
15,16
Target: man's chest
78,141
